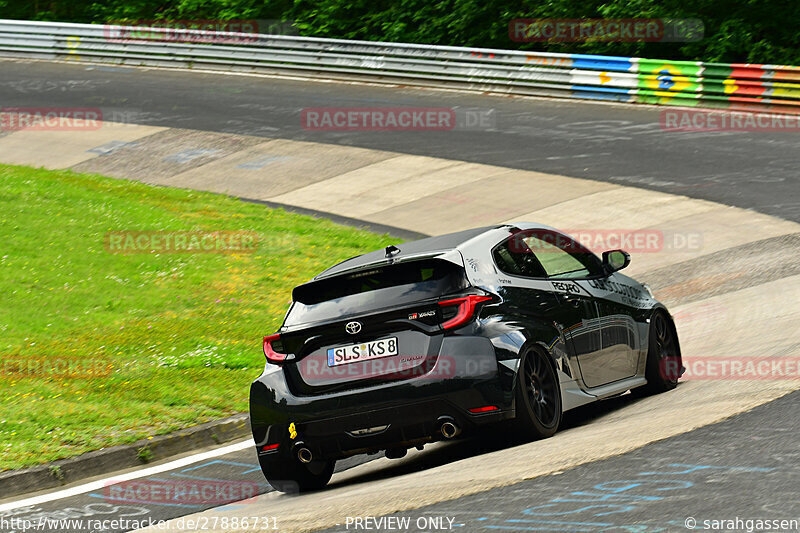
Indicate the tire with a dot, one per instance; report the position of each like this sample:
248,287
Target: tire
538,396
664,363
291,476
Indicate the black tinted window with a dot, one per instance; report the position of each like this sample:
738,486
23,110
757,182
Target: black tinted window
387,286
544,253
511,260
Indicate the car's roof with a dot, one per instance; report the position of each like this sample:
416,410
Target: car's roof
427,246
430,246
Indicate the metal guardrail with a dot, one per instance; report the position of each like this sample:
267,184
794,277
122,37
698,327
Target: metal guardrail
754,87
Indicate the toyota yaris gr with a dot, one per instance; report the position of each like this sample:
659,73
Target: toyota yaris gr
425,340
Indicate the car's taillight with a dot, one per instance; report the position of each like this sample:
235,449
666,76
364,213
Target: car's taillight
272,355
465,310
484,409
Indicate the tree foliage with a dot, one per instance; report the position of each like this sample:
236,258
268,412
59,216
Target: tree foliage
754,31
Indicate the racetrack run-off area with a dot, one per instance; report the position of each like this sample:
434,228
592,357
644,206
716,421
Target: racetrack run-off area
725,205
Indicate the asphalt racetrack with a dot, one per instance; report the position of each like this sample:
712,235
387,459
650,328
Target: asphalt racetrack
619,143
713,449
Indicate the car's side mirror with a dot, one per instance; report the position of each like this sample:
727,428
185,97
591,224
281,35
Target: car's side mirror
616,260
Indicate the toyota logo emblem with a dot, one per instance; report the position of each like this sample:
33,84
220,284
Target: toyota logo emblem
352,327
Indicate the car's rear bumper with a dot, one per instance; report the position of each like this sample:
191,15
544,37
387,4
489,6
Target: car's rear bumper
386,415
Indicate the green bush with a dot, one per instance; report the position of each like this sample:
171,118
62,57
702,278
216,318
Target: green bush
753,31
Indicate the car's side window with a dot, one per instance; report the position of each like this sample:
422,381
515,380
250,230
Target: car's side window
557,263
517,260
544,253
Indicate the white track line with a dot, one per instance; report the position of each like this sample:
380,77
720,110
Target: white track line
99,484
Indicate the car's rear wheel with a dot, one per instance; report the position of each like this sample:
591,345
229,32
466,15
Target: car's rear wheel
663,357
292,476
538,398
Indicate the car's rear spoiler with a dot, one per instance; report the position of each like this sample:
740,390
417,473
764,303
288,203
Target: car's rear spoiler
454,256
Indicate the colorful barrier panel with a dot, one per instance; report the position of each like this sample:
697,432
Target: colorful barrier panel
769,88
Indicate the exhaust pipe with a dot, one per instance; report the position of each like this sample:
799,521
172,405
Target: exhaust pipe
449,428
304,455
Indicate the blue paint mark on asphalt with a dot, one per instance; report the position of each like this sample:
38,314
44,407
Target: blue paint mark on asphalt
260,163
598,500
248,468
593,497
688,469
243,471
136,502
618,509
561,523
111,147
199,478
524,528
677,484
189,155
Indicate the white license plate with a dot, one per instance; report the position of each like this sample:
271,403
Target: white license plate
364,351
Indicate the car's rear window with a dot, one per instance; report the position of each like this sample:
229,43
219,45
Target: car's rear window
378,288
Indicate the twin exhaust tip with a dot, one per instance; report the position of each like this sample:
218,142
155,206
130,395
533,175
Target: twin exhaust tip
449,429
304,455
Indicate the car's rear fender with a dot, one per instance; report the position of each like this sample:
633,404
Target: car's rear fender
513,328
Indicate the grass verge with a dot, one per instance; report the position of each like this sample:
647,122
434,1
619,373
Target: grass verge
173,339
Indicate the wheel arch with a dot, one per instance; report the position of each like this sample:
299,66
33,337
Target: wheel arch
511,337
661,308
544,348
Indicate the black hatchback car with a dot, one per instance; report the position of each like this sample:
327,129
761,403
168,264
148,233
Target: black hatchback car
421,341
